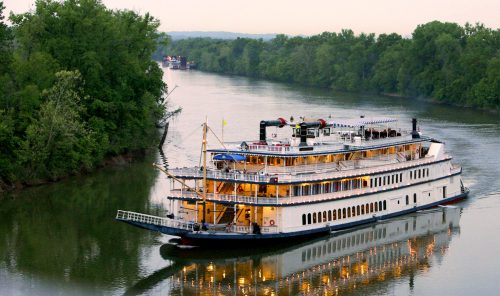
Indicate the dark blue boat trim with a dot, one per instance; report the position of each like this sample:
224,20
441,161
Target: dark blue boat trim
159,228
310,202
206,236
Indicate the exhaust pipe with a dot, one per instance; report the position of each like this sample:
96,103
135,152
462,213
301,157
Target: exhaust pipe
321,123
265,123
414,132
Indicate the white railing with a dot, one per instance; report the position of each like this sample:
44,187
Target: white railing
155,220
271,148
320,145
189,226
232,198
346,169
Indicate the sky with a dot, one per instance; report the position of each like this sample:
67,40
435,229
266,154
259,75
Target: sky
302,17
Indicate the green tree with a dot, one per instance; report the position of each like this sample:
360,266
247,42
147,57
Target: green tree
107,87
58,141
442,61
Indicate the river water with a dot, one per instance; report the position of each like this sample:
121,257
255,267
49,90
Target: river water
62,238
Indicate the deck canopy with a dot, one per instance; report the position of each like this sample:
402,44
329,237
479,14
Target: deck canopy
229,157
358,122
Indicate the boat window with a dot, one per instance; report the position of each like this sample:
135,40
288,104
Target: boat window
383,180
353,211
330,215
303,219
393,179
371,207
380,205
339,215
427,172
379,181
411,175
371,183
362,209
319,217
324,216
309,218
326,131
376,207
401,177
375,182
385,205
296,191
419,173
367,207
314,217
334,214
344,213
310,132
348,212
414,197
407,200
444,191
358,210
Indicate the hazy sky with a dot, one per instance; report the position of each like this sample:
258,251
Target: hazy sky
303,17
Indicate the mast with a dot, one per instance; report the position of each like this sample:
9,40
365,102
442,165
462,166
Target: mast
204,148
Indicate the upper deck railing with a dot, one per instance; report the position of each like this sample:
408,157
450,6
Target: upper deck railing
345,170
283,147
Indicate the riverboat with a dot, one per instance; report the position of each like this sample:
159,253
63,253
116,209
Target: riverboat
327,175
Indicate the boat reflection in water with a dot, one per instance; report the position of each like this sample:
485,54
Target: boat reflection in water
352,261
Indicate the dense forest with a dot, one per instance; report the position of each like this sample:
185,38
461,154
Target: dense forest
77,85
441,61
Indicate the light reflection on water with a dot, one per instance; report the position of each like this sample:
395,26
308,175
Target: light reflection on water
62,239
360,261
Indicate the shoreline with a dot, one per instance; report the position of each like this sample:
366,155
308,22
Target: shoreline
110,161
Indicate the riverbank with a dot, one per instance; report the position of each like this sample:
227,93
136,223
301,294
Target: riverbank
118,160
420,66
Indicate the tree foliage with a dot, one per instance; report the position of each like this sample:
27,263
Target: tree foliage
441,61
77,84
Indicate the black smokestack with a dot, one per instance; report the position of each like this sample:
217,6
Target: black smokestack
414,132
265,123
303,134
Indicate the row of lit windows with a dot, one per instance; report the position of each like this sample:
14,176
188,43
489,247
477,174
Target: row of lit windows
332,215
327,187
386,180
335,186
420,173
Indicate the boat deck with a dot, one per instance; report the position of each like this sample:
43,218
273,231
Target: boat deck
308,173
282,148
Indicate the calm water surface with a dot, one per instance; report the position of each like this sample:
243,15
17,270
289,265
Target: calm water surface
62,238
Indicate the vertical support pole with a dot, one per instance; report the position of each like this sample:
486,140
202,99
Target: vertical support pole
235,210
204,145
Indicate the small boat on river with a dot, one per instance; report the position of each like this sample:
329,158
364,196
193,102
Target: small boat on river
325,176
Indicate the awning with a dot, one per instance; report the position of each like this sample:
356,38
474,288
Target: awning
360,122
229,157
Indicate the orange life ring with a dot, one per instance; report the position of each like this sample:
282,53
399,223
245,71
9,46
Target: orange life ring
271,222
